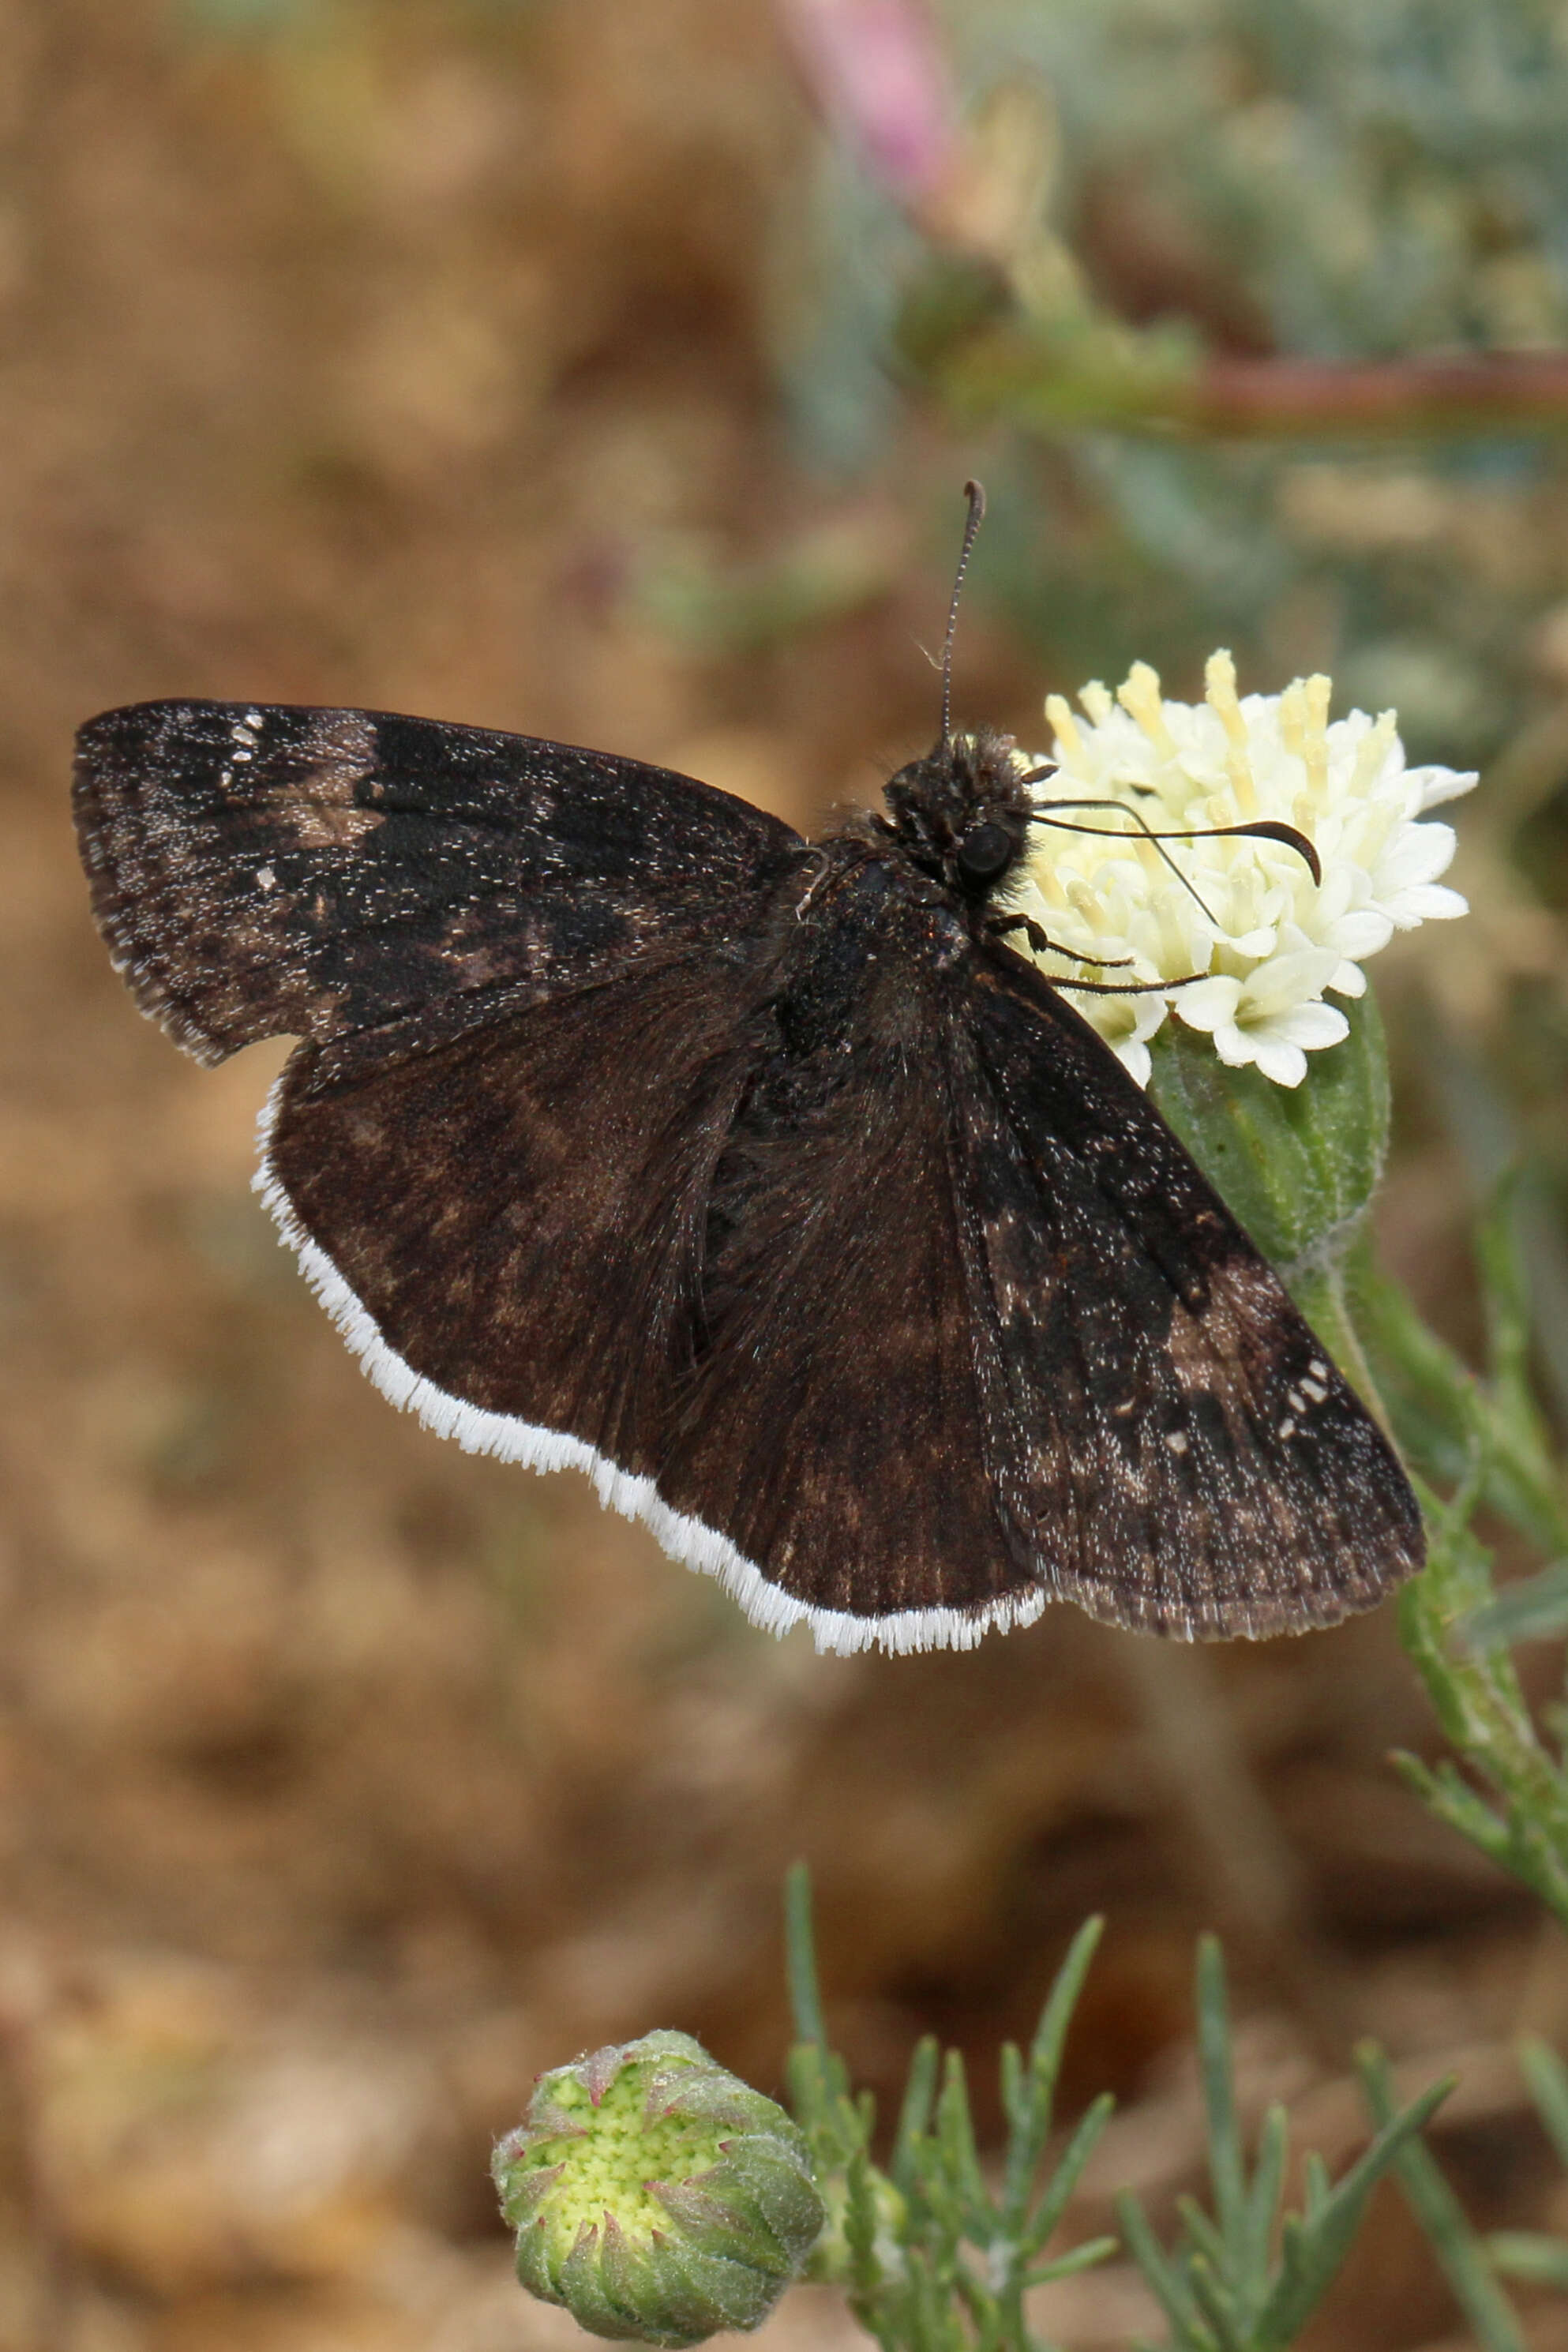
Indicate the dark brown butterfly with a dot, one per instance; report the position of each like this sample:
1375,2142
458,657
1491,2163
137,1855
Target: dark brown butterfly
761,1179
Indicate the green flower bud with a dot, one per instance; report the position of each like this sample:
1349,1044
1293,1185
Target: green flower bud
1297,1165
656,2196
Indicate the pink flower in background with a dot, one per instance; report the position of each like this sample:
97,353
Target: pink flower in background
877,69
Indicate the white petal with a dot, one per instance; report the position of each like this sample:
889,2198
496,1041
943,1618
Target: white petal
1210,1004
1311,1026
1429,902
1285,1065
1416,853
1358,934
1285,980
1442,783
1133,1055
1235,1046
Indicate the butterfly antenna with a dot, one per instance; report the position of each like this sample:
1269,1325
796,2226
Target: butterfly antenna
976,496
1261,829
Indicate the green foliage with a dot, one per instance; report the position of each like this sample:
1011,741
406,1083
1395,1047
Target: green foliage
1374,177
1508,1791
931,2252
1460,2254
937,2250
1521,1820
1247,2277
1279,182
1529,2255
1459,1429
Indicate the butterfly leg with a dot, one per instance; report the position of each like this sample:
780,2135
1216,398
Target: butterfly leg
1040,943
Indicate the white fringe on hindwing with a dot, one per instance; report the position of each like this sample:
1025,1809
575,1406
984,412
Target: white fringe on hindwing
685,1540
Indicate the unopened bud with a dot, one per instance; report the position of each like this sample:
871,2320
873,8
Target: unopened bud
656,2196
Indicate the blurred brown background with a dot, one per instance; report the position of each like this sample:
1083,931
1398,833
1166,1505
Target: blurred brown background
429,358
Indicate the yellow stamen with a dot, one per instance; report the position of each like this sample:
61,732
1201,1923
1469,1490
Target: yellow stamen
1096,701
1293,720
1374,751
1139,695
1219,693
1064,727
1046,876
1317,690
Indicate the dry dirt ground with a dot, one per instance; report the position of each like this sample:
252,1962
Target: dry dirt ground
347,1780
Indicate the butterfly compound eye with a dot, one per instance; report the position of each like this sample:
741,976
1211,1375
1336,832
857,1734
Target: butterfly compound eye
983,851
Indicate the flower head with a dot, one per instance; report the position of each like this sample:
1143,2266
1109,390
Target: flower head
1246,914
657,2196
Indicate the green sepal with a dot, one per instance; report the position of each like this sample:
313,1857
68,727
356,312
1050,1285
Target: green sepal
1297,1165
588,2283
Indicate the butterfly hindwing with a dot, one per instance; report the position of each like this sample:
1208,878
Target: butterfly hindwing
1169,1441
264,871
641,1229
833,1429
515,1218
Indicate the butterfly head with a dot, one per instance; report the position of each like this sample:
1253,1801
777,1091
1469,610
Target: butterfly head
962,813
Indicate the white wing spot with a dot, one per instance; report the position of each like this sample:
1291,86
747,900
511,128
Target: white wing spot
1176,1440
1287,1428
1318,1372
1316,1390
1296,1401
265,879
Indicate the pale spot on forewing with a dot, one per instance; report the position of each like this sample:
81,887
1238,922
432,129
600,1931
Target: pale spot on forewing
524,951
1316,1390
1176,1440
482,964
336,756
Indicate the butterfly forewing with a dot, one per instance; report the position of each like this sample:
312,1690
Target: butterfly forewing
262,871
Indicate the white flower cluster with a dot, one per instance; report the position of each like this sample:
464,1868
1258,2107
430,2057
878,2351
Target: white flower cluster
1266,939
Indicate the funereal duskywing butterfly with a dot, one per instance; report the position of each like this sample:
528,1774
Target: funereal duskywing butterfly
760,1179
